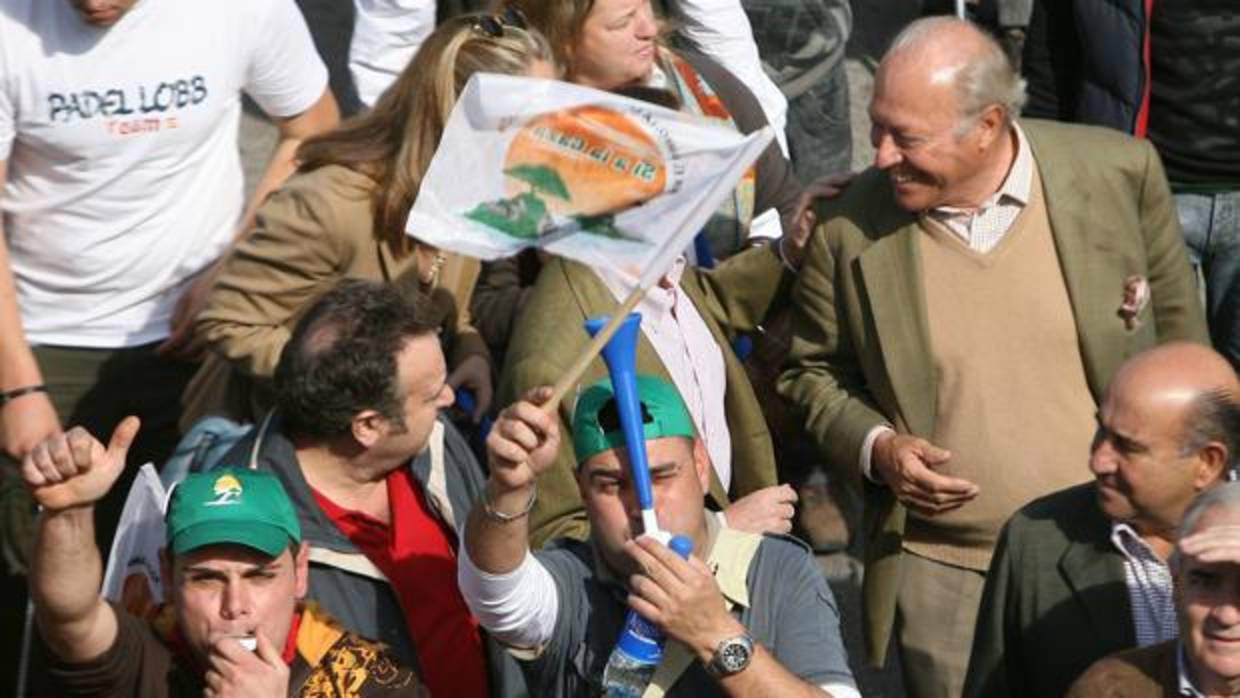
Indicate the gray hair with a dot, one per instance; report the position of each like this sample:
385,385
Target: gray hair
1213,416
988,79
1224,495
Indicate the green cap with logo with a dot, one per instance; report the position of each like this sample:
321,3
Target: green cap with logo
596,419
234,506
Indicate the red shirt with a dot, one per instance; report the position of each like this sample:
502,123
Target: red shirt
419,559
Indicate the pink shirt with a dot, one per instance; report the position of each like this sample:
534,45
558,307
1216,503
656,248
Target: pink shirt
689,352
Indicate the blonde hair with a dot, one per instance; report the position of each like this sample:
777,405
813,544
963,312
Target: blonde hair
394,142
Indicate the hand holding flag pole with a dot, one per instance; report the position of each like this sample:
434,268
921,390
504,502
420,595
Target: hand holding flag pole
600,336
600,178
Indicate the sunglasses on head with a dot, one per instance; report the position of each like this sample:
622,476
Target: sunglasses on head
493,25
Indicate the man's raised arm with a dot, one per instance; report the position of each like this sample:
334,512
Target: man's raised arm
508,590
67,474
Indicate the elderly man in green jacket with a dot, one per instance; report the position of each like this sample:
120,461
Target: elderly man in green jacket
960,311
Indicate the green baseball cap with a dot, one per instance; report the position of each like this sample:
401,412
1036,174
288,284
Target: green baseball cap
596,419
231,505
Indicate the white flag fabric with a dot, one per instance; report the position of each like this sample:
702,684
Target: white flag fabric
600,178
132,578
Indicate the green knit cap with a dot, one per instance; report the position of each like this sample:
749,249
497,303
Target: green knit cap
596,419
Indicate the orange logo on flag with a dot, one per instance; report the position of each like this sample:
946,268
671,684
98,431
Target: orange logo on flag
586,164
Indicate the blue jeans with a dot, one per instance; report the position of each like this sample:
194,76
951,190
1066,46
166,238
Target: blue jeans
1211,225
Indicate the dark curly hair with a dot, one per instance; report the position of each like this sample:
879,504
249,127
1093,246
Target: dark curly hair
341,358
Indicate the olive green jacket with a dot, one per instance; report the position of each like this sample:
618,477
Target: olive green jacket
550,334
860,353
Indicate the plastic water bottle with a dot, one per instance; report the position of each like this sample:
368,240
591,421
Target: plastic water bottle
640,648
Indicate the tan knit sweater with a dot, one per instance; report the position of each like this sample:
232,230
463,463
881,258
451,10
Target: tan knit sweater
1013,404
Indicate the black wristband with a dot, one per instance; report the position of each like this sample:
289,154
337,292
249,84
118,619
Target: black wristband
11,395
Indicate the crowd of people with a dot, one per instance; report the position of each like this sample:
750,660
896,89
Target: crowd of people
999,335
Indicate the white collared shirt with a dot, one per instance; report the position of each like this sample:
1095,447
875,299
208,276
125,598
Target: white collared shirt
1148,579
1187,689
689,352
983,227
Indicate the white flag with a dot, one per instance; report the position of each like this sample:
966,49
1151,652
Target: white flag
133,576
603,179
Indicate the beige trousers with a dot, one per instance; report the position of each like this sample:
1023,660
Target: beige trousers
936,610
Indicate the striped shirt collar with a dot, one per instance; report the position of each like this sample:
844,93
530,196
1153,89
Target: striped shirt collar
1148,579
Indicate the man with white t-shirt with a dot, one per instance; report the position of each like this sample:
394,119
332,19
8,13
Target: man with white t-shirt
122,184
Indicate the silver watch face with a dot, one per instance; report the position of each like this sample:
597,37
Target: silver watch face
733,655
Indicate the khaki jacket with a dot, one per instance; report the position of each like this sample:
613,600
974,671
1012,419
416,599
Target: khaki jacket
550,333
860,353
314,232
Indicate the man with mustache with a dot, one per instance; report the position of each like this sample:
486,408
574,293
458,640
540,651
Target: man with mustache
1083,572
960,310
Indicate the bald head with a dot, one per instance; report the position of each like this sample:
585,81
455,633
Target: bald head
1179,372
954,53
941,115
1195,382
1168,429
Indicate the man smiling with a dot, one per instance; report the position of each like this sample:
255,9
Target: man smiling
1205,660
960,310
234,570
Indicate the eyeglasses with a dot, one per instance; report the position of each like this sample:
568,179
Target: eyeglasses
493,25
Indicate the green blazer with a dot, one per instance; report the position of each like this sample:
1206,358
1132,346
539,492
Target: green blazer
860,354
1055,600
549,335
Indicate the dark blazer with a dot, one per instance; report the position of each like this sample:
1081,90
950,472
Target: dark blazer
1055,599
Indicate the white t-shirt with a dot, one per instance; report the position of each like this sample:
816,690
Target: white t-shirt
124,177
386,34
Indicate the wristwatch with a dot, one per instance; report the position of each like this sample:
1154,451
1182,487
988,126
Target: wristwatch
731,656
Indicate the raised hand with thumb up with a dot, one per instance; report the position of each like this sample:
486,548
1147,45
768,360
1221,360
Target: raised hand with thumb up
74,469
